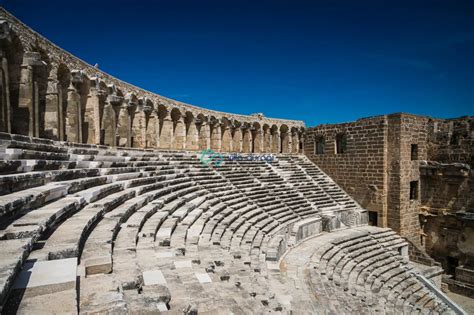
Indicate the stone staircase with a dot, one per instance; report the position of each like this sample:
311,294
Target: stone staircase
94,229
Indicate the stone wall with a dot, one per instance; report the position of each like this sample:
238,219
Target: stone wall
49,93
447,188
415,173
447,207
360,170
376,168
451,140
447,202
404,131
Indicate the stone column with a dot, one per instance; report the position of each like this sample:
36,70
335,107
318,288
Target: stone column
246,140
124,122
285,142
139,128
152,128
290,142
73,111
192,137
237,140
5,107
94,112
109,118
108,124
52,107
179,134
270,141
259,142
132,103
276,142
216,137
295,142
61,110
26,117
226,139
122,126
166,131
204,136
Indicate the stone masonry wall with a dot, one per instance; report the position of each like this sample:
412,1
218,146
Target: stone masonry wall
415,172
447,206
359,171
451,140
377,168
404,131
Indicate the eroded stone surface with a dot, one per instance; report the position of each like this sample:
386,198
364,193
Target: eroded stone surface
42,277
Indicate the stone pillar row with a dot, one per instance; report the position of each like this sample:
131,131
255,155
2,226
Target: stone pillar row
54,102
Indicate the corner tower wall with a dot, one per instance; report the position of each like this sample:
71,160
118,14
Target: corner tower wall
376,167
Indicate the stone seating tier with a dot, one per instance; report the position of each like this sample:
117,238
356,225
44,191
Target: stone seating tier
159,230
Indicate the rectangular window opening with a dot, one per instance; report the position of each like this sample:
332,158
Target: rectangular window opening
319,146
414,190
341,144
414,152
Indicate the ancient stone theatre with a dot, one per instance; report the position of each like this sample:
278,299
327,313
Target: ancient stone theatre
107,205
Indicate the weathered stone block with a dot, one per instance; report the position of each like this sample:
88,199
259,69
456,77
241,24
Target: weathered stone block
43,277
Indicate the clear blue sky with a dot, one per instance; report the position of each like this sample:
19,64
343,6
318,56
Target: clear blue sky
319,61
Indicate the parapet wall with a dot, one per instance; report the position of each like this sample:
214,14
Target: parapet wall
47,92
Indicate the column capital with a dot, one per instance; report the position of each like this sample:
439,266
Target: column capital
32,59
77,78
5,30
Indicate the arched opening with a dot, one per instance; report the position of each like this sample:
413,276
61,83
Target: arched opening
237,137
204,132
257,138
285,139
226,142
215,133
192,136
152,124
179,130
246,138
266,138
165,127
275,139
319,144
64,79
295,140
10,81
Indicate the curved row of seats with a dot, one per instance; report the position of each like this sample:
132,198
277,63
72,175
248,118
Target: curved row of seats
116,230
359,270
